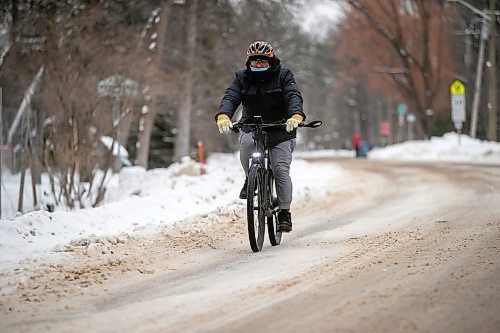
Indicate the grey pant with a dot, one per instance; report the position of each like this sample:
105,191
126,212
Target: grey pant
281,158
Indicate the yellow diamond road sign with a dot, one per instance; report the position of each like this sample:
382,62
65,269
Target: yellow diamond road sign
457,88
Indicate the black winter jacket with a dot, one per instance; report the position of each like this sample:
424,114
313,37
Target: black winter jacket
276,99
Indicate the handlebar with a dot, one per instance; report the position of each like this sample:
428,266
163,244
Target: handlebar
312,124
237,126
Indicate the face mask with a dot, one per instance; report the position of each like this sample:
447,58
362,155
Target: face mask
258,69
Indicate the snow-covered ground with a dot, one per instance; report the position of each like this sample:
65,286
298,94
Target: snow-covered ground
448,148
141,201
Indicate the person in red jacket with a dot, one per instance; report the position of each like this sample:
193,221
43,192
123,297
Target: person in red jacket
356,143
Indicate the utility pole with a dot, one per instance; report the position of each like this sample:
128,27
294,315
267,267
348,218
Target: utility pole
479,79
1,147
490,17
492,95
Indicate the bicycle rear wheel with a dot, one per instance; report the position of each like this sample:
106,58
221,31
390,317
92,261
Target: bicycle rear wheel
255,208
272,223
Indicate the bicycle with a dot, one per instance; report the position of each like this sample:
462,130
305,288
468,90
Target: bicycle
261,203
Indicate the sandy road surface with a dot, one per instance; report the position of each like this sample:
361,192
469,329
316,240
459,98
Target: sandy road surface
393,248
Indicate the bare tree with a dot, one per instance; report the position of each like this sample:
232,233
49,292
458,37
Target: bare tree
410,52
76,54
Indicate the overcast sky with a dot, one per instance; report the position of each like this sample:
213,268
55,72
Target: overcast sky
318,16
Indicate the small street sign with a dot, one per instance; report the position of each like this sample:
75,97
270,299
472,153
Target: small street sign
410,117
116,86
457,90
402,108
385,128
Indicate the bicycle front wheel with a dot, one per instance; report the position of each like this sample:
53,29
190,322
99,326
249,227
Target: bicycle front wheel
272,223
255,208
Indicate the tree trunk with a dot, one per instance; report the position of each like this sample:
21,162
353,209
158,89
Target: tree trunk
183,138
147,120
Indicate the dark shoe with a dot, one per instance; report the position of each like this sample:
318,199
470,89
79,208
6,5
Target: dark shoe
284,221
243,192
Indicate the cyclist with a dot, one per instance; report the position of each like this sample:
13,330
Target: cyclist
266,89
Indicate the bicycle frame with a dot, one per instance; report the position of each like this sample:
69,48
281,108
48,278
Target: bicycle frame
262,156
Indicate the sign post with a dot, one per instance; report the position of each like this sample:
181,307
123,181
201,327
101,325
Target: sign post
402,109
410,118
385,131
457,90
116,86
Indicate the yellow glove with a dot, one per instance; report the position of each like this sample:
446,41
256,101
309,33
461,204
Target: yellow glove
224,123
293,122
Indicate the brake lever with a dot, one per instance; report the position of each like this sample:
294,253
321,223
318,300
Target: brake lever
236,127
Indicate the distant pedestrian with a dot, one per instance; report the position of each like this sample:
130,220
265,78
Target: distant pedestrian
356,144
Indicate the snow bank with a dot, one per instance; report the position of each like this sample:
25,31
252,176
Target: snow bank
445,149
141,201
